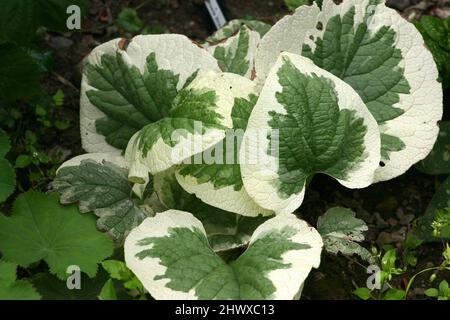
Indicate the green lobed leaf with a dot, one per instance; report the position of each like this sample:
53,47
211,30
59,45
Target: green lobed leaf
341,232
129,84
173,244
215,175
13,289
382,56
42,229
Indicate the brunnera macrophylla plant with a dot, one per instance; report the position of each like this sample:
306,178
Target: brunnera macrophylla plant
171,255
348,90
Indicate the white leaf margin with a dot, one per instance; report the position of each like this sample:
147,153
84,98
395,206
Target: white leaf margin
162,156
226,198
260,173
232,43
173,52
100,158
418,126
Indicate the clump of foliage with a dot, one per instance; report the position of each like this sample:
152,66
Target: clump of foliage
151,106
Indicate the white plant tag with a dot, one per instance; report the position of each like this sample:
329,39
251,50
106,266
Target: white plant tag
216,13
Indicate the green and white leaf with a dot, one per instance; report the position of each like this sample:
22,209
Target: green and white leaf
233,26
237,53
13,289
99,183
225,230
171,256
438,161
306,121
294,4
215,176
440,201
197,120
382,56
42,229
341,232
127,86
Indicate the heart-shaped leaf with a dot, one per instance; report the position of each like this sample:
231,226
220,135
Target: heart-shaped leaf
382,56
171,256
237,53
13,289
225,230
42,229
215,175
341,232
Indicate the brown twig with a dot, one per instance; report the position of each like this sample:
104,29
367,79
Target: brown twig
64,81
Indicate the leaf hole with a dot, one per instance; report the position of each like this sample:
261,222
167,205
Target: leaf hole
319,26
382,164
